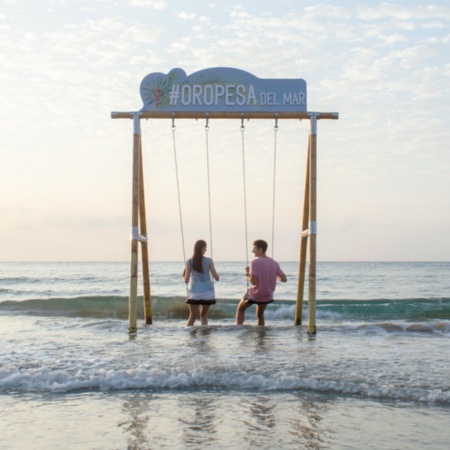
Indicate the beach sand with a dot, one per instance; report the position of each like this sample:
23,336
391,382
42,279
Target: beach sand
229,420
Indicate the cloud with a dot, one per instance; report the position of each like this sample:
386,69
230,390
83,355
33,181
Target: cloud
187,16
433,24
393,38
384,68
403,13
153,4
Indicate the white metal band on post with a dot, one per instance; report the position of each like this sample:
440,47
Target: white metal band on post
305,233
135,236
314,116
136,123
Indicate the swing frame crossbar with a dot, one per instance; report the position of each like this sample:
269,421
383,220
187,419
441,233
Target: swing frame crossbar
308,233
223,115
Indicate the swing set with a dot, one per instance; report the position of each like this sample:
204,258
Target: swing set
242,128
223,93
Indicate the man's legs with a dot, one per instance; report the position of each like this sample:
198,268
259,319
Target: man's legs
260,313
240,312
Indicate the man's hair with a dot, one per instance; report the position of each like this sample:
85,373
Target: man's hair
259,243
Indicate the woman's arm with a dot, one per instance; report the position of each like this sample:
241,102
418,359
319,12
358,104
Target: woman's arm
213,271
186,273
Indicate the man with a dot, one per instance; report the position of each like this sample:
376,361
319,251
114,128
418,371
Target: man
263,276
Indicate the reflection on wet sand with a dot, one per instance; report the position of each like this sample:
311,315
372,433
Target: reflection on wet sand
259,419
305,424
136,407
198,423
269,426
224,420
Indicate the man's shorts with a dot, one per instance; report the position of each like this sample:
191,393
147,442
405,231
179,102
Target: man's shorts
248,300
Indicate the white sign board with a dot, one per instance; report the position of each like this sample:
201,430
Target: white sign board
221,89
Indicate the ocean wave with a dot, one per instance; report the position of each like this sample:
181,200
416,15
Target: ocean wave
17,279
163,308
24,280
34,378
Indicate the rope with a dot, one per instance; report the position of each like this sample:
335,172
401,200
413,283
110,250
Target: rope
209,187
275,129
179,196
209,193
245,192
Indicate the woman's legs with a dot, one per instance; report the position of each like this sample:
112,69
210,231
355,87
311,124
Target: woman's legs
193,312
203,313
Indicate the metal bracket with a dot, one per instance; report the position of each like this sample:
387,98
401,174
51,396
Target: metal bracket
313,120
137,123
135,236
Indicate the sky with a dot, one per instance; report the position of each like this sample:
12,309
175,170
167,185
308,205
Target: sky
66,166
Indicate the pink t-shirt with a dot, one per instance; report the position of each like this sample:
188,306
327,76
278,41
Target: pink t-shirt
267,270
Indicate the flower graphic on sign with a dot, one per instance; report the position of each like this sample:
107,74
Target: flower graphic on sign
155,89
158,96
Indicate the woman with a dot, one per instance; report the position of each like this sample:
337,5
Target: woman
201,291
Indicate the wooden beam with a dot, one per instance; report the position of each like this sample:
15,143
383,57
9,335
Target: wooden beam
144,246
132,299
224,115
303,245
312,228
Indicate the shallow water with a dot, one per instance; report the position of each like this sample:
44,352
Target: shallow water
375,375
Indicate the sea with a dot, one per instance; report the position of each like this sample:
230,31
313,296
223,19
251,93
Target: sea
376,375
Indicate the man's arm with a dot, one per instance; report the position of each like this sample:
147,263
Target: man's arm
282,278
252,278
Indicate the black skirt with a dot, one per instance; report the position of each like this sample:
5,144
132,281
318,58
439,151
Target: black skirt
191,301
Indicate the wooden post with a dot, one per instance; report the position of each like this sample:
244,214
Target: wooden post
132,300
312,226
144,246
303,244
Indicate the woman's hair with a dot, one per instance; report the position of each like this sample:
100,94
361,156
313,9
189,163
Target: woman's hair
197,257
